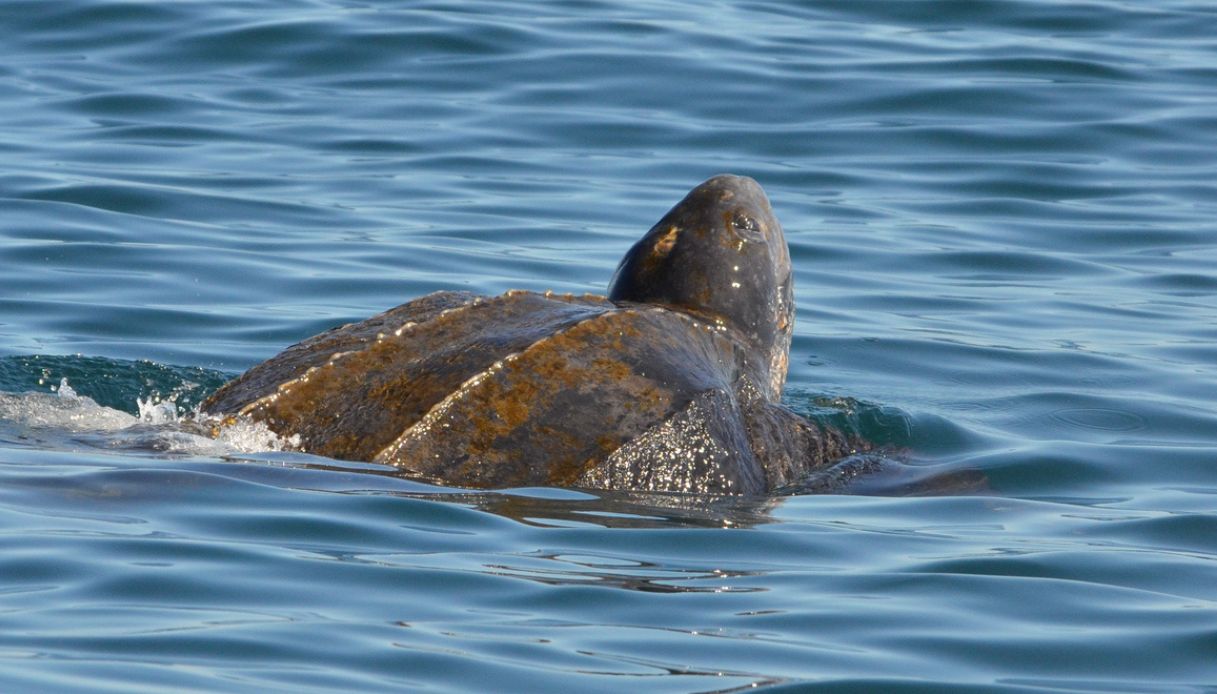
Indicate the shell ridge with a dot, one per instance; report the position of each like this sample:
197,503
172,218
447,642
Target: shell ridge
400,332
354,403
438,409
259,378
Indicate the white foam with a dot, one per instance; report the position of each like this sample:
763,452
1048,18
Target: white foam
64,410
246,436
163,412
72,419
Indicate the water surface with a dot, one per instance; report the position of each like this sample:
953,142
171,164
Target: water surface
1001,221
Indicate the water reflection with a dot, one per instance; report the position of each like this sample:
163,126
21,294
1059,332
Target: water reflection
572,508
561,568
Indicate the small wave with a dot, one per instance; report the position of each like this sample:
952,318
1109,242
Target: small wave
66,419
64,410
118,384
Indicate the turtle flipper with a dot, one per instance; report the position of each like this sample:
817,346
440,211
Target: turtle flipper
789,446
702,448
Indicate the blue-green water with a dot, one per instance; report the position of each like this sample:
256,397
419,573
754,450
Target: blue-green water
1003,220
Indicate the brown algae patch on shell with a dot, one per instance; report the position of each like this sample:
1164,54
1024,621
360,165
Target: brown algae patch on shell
359,401
263,380
570,399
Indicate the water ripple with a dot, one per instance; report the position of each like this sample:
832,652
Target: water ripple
1000,215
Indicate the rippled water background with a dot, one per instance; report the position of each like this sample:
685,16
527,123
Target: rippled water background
1002,219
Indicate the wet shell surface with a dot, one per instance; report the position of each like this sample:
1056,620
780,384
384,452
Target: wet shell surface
661,386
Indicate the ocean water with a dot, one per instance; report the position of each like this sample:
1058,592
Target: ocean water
1003,222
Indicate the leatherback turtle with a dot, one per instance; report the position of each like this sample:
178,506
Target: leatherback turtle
670,383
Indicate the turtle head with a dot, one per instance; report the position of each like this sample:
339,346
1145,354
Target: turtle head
720,254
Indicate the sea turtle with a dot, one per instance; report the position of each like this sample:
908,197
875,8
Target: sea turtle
670,383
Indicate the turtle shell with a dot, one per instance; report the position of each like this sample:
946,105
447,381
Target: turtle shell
529,389
670,384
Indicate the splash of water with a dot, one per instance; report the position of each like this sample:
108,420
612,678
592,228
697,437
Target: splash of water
65,418
65,391
156,412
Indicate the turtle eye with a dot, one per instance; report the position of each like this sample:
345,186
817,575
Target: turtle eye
747,227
